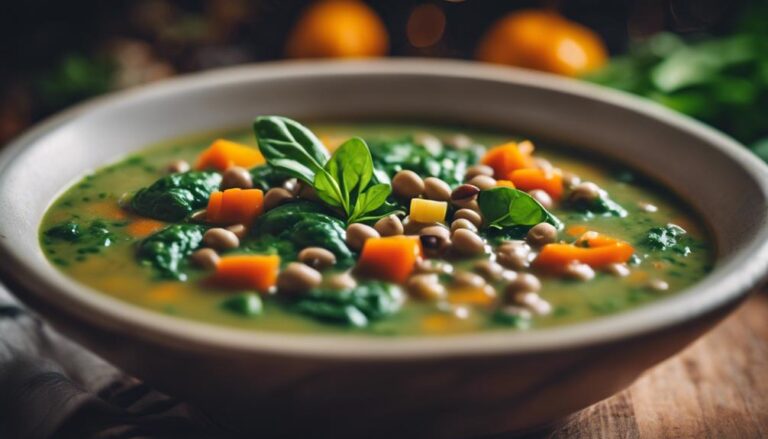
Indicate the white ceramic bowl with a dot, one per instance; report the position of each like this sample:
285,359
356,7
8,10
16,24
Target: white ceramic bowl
351,386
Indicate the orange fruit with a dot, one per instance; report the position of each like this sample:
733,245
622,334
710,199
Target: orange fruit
338,29
542,40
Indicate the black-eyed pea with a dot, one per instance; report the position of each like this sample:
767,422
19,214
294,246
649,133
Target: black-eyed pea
585,192
220,239
470,215
618,270
483,182
275,197
542,197
541,234
467,243
467,279
240,230
475,170
389,226
298,278
490,270
407,184
431,266
178,166
425,286
436,189
579,271
462,223
205,258
236,177
358,233
340,281
317,258
523,283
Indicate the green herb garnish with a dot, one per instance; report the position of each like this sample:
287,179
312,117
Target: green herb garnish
345,181
504,207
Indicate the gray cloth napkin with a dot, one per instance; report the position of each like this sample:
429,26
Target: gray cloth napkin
50,387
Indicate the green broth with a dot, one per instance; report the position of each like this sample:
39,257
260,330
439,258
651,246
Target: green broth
114,270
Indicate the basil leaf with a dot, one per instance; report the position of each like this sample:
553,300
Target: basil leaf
370,200
329,191
290,147
504,207
351,166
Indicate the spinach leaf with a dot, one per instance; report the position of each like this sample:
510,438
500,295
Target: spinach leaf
246,304
90,239
603,205
290,147
504,207
168,249
356,306
293,226
345,184
175,196
448,164
266,177
670,237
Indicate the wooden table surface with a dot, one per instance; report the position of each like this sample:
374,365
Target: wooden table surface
716,388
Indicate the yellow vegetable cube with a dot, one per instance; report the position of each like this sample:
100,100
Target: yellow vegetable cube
428,211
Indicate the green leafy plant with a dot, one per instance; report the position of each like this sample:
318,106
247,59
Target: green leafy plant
345,181
356,306
168,249
175,196
504,207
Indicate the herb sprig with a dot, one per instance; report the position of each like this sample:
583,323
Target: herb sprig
345,181
504,207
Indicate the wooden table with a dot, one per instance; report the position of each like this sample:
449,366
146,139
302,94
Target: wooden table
716,388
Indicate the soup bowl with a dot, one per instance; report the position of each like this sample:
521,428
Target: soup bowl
283,385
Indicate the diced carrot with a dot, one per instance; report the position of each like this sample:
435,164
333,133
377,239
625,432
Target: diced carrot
508,157
471,296
235,206
550,181
391,258
143,227
505,183
437,323
223,154
107,209
244,272
576,230
600,251
166,292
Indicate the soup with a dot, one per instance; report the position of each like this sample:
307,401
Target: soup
373,228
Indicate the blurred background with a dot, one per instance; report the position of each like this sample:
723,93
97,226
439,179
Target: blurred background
705,58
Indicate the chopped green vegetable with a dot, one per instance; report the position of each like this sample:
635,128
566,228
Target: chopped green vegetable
603,205
670,237
353,307
266,177
175,196
447,164
298,225
168,249
504,207
246,304
68,231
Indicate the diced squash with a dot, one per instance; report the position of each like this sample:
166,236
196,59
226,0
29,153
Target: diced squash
391,258
246,272
508,157
472,296
223,154
143,227
235,206
550,181
592,249
427,211
505,183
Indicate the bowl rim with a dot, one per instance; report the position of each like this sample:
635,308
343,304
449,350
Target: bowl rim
724,285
